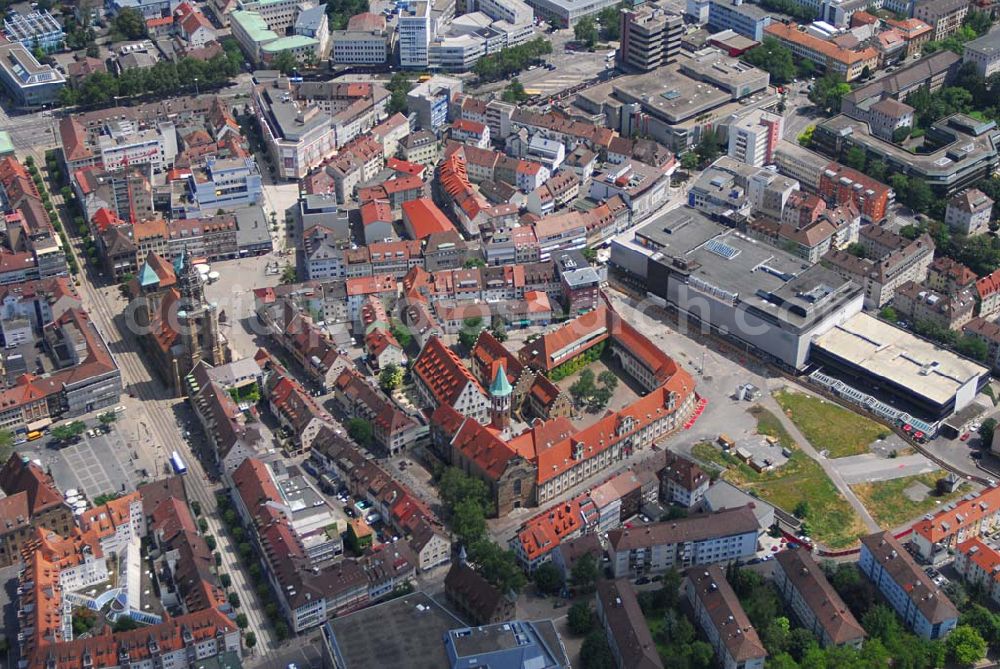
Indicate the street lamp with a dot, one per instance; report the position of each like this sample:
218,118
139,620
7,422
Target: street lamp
196,86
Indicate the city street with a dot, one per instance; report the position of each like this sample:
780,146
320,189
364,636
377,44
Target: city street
162,412
799,111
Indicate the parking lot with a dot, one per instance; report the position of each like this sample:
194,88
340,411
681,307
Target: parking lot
97,464
345,506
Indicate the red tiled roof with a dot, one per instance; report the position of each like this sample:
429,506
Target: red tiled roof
425,218
442,372
966,513
376,211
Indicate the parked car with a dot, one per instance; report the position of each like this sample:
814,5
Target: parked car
642,580
965,437
350,512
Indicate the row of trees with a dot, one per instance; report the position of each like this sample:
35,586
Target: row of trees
245,551
965,344
777,60
790,7
466,502
400,84
341,11
709,148
508,62
50,210
165,78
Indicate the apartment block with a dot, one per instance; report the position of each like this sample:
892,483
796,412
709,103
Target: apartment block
969,212
818,607
717,611
697,540
924,608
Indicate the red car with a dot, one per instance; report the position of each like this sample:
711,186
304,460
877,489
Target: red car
965,437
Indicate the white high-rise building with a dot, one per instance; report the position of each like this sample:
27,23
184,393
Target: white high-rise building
753,138
415,34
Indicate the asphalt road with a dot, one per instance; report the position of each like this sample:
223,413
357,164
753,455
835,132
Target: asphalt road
868,467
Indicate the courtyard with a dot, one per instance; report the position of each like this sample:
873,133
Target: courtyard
588,395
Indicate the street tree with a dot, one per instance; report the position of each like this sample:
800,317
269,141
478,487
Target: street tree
285,61
965,646
585,32
581,618
547,578
584,573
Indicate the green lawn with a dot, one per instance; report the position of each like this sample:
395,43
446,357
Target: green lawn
890,508
831,519
828,426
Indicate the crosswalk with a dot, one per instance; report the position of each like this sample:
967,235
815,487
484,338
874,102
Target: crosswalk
554,84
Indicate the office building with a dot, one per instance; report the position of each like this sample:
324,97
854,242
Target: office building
849,64
261,41
280,15
37,29
150,9
958,150
839,185
754,137
985,53
514,12
566,13
29,83
365,42
415,35
923,607
650,37
747,19
945,16
429,101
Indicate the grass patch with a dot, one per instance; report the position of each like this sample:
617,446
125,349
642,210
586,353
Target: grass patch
891,508
828,426
831,519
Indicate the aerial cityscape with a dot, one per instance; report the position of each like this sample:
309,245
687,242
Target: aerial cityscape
541,334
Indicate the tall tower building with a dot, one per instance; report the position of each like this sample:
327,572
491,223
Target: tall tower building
650,37
415,34
198,320
500,392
